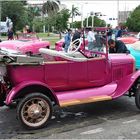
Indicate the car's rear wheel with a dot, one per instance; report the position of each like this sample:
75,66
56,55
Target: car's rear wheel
34,110
137,98
29,53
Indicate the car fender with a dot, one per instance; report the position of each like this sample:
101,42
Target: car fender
125,84
15,90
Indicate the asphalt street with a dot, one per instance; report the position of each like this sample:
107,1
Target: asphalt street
118,119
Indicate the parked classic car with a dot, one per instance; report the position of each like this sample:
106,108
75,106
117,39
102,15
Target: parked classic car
135,51
130,39
38,84
26,43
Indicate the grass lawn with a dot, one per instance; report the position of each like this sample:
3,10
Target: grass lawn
52,38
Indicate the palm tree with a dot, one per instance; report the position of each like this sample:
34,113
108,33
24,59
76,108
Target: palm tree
74,12
50,7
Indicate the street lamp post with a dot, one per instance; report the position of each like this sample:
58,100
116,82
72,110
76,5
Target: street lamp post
82,14
82,22
87,20
92,14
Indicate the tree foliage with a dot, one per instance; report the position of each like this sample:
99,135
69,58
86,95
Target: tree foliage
61,19
97,22
16,11
133,22
50,7
74,12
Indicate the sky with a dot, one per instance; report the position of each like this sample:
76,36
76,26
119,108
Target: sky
107,7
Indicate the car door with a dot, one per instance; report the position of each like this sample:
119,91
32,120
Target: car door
56,74
97,71
77,74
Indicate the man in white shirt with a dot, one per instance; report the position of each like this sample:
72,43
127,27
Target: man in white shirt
90,38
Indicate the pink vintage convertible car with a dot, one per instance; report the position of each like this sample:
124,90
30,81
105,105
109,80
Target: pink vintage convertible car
27,43
130,39
78,77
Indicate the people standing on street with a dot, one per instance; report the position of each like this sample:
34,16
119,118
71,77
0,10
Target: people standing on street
90,38
26,29
76,35
109,33
119,32
99,41
10,34
67,40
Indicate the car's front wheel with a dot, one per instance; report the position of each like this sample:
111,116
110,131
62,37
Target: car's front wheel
34,110
137,97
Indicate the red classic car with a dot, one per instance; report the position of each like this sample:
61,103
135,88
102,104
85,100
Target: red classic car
24,44
130,39
38,84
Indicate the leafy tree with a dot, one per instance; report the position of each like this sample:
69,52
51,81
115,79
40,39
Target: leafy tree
50,7
38,24
74,12
133,22
16,11
62,19
77,24
97,22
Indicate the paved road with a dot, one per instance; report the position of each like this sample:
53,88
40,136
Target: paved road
116,119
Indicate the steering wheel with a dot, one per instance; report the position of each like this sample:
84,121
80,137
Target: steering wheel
8,59
74,46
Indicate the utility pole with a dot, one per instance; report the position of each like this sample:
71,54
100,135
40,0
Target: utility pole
82,22
92,15
72,12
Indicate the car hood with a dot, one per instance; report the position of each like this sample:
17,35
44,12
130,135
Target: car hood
14,44
121,58
17,44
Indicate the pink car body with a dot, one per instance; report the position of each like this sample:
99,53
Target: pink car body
25,44
132,38
128,40
39,85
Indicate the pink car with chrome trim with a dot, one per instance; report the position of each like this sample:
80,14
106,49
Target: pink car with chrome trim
26,43
38,84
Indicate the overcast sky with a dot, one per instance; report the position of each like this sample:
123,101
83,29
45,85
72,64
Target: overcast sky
106,7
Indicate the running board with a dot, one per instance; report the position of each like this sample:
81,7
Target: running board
66,103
